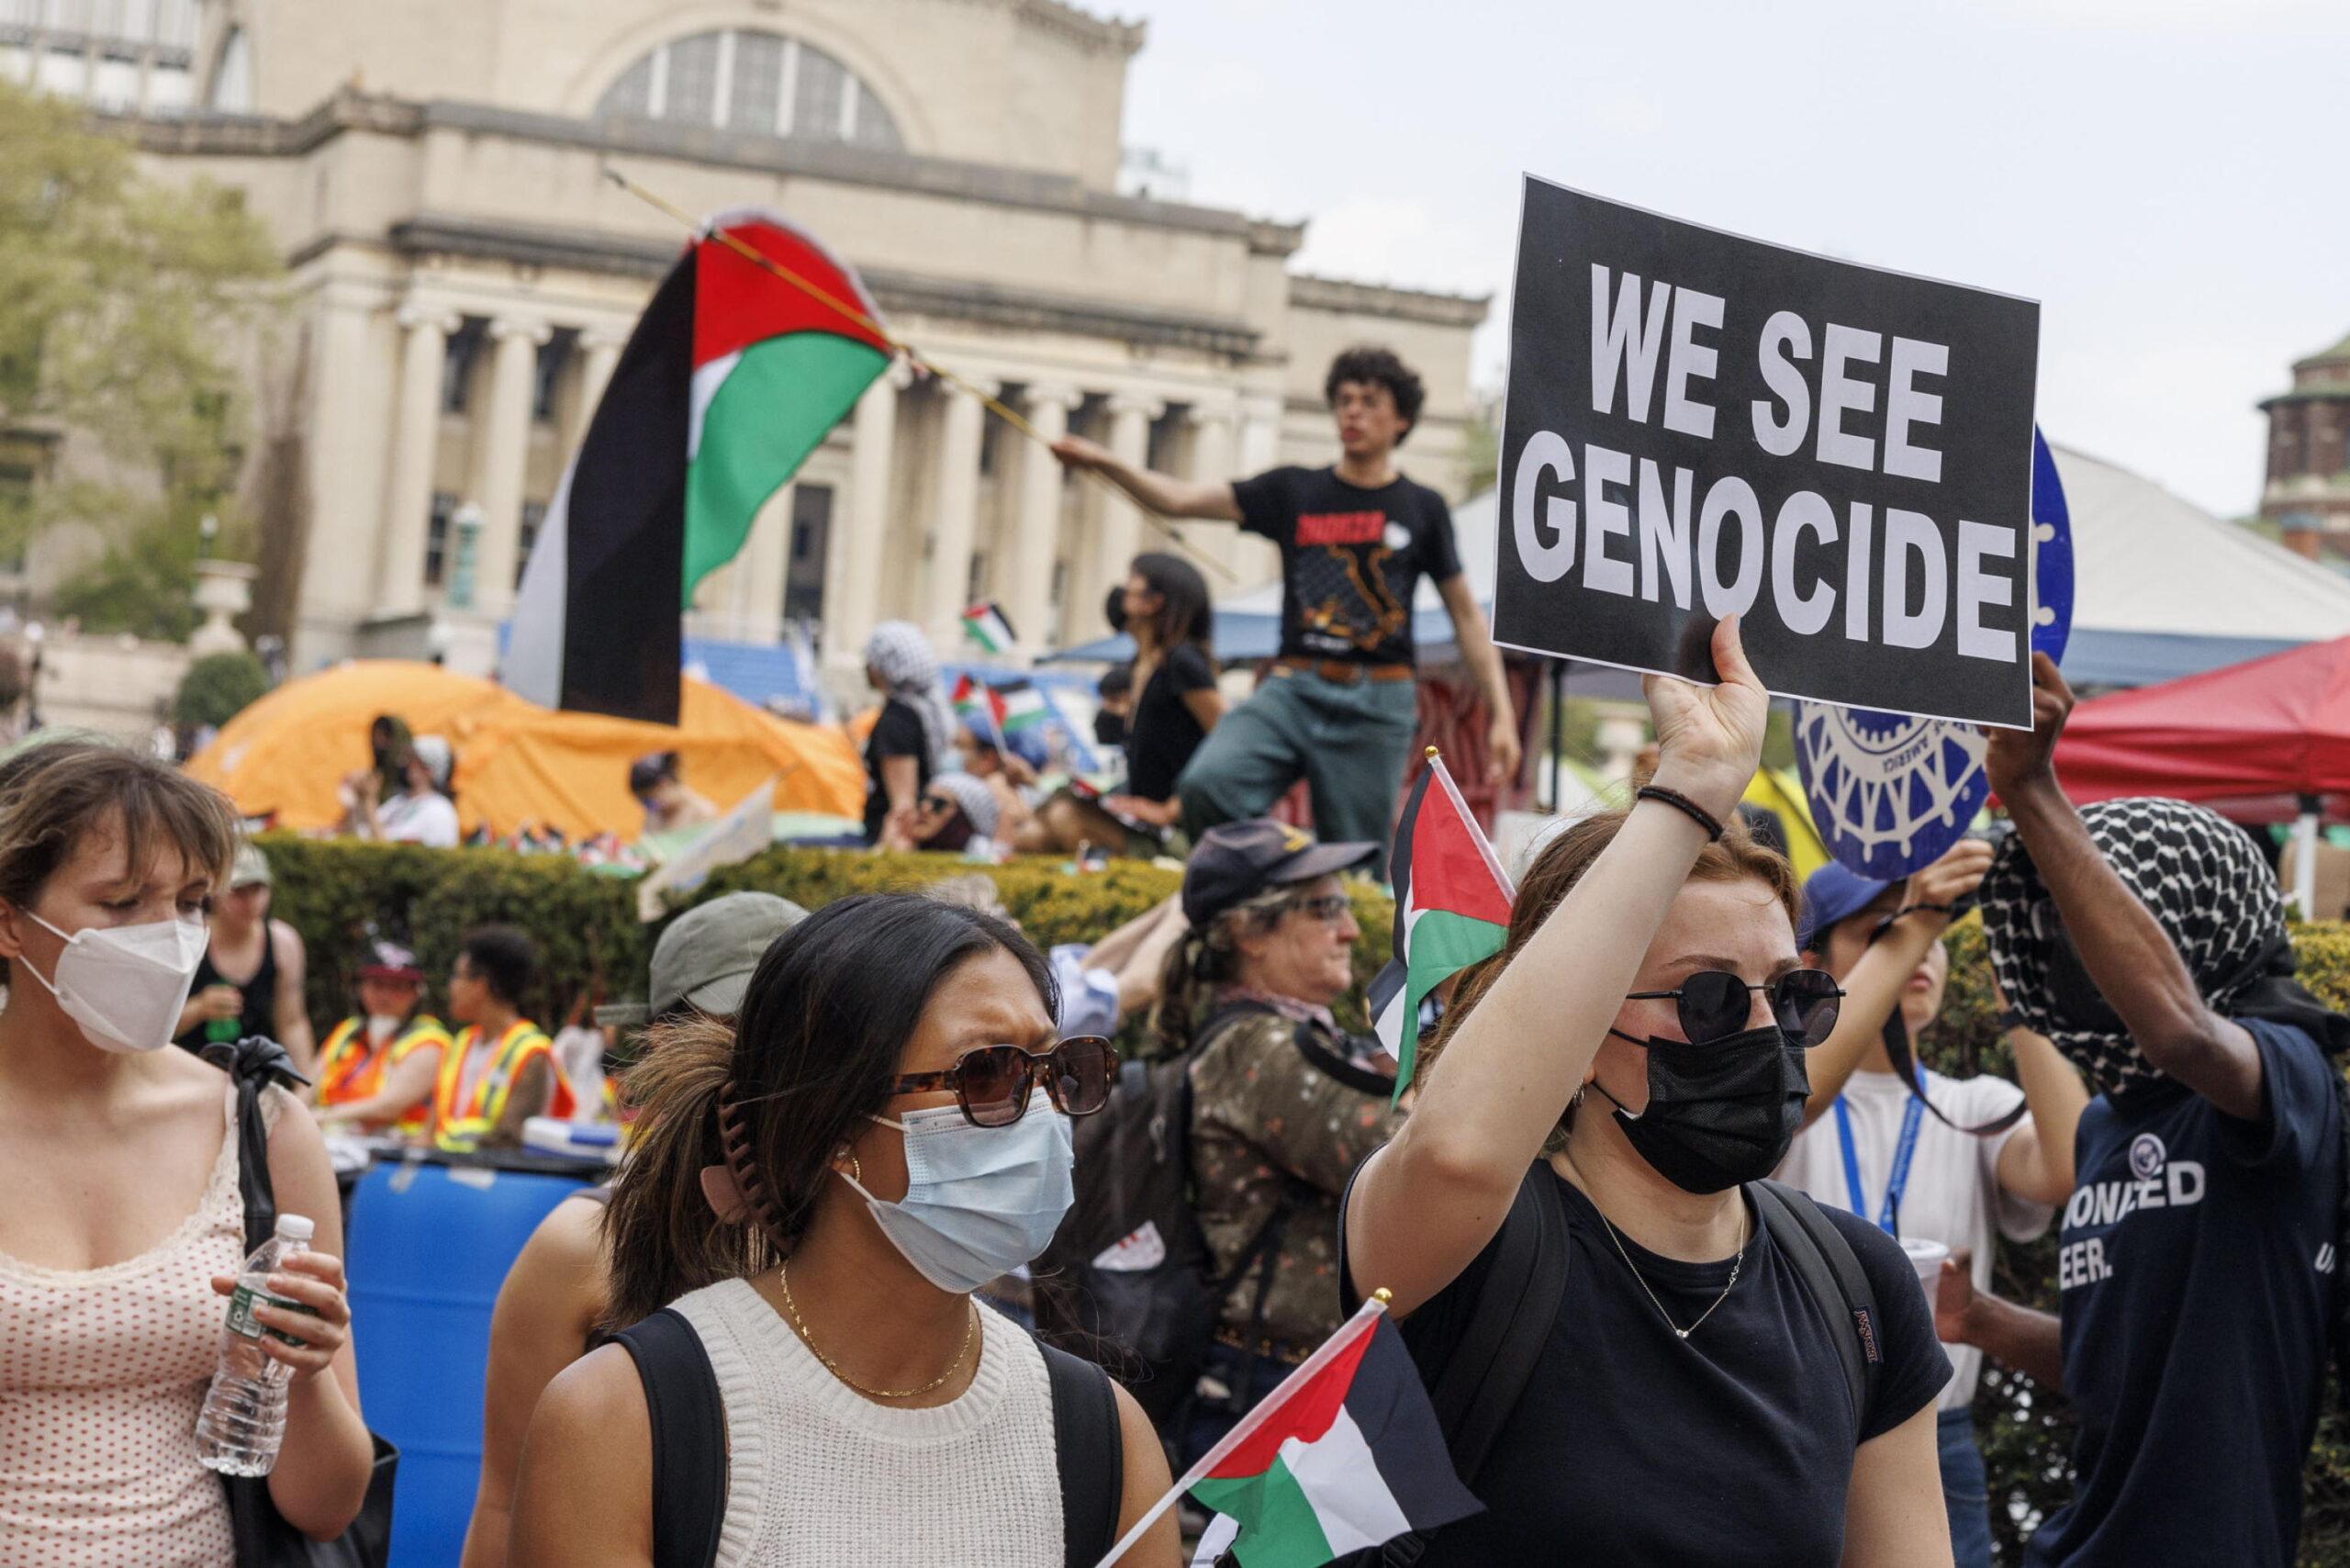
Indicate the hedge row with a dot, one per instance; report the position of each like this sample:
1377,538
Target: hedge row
592,945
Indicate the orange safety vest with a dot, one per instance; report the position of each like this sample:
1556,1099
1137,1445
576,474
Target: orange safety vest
458,1127
351,1069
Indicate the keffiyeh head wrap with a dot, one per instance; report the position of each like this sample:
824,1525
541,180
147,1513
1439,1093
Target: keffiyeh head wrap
2207,887
976,798
902,658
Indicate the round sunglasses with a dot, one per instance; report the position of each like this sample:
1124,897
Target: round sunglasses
994,1084
1714,1004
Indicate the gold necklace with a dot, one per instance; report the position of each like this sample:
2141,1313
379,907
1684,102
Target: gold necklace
971,1331
1679,1333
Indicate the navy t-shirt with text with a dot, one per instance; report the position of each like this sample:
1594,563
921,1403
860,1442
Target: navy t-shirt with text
1352,559
2197,1268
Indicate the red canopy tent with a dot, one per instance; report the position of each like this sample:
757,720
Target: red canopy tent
2266,741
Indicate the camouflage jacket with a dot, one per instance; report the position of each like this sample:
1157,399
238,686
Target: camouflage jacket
1281,1113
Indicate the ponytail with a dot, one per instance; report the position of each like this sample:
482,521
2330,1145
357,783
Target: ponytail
1205,961
660,1234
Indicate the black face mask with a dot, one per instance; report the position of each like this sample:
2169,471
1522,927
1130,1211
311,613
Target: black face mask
1110,729
1721,1114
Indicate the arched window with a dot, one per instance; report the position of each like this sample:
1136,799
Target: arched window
762,82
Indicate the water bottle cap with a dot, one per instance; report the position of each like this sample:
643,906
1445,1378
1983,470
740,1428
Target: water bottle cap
295,1228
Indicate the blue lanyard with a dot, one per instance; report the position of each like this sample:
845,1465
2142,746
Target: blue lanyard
1903,1150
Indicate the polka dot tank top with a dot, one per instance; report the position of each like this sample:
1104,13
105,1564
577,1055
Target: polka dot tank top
102,1373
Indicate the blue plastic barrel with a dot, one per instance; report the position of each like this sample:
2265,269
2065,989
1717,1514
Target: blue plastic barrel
428,1246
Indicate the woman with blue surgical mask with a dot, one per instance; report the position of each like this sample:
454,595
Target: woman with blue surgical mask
815,1193
123,1227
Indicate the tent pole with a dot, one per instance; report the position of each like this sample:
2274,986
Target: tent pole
1558,729
2305,858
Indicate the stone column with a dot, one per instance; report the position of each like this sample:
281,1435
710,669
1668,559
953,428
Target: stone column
599,349
1119,538
1037,531
956,522
1212,460
505,438
756,608
853,591
416,440
1258,561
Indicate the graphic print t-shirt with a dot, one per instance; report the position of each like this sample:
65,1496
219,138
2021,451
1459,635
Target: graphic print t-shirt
2196,1266
1352,559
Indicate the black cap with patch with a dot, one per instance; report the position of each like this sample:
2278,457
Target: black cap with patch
1240,860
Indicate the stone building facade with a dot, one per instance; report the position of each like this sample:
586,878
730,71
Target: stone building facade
2308,491
463,278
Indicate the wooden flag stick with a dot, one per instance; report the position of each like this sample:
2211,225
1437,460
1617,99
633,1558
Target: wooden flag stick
913,357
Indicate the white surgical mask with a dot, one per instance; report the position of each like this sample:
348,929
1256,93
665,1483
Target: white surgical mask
382,1026
125,984
980,1202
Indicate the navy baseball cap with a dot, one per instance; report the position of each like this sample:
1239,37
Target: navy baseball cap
1238,860
1832,894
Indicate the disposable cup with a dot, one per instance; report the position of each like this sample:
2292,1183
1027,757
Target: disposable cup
1925,1256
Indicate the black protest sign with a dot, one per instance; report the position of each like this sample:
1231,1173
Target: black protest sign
1701,425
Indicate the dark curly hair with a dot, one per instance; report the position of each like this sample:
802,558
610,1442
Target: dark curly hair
1378,366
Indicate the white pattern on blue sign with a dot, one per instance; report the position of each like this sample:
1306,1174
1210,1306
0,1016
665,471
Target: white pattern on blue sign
1891,793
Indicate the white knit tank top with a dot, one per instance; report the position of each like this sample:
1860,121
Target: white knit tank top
817,1474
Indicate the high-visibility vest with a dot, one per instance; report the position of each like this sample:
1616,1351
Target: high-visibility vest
352,1069
458,1127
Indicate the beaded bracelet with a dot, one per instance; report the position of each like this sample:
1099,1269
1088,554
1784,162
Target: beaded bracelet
1683,804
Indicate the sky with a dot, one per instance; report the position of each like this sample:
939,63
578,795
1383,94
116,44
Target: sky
2166,177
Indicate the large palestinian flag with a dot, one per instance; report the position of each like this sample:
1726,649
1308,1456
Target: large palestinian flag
1452,904
730,378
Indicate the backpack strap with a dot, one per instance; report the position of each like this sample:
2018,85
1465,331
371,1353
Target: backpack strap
1506,1330
1832,1273
1088,1451
688,1438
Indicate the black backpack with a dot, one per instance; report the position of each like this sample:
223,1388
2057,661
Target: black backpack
1511,1321
1129,1281
688,1422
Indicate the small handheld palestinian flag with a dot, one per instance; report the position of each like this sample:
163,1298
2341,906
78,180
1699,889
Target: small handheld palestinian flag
732,375
1452,901
975,702
984,624
1345,1455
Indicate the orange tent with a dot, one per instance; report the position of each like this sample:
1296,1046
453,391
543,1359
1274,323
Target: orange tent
571,770
515,762
289,752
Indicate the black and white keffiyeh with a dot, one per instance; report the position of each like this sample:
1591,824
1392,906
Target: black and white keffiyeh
2207,885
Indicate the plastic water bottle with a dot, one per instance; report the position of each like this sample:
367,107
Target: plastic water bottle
244,1414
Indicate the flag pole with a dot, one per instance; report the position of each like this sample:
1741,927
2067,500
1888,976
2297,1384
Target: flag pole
921,362
1364,1321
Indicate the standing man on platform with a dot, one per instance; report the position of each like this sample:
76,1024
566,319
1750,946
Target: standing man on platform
1341,703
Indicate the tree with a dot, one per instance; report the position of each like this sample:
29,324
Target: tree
216,688
119,296
1481,446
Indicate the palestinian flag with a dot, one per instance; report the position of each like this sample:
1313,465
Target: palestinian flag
1020,706
986,625
1345,1455
731,377
977,702
1452,904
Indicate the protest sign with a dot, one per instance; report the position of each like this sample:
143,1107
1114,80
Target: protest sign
733,839
1700,425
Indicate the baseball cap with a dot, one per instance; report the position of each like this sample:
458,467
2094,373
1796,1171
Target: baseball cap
1240,860
250,868
389,960
1832,894
706,957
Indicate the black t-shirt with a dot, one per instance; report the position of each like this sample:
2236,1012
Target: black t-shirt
260,1014
1352,559
2197,1268
1162,734
1630,1446
897,733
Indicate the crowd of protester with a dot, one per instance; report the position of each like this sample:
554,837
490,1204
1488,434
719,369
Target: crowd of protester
1670,1157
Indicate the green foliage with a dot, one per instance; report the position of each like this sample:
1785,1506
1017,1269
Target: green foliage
218,687
1481,447
119,297
586,924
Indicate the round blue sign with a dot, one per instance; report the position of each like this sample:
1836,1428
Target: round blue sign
1890,793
